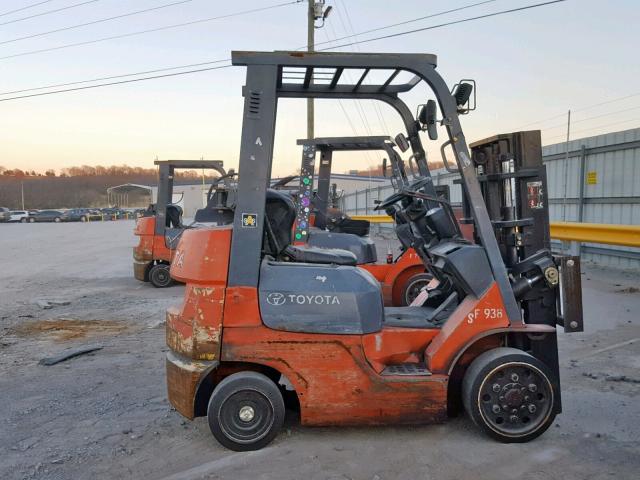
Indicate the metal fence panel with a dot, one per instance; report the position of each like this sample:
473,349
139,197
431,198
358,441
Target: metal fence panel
610,189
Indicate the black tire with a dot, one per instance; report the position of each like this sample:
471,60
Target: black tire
509,394
32,220
412,287
23,220
257,398
159,275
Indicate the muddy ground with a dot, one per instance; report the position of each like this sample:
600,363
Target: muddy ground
105,415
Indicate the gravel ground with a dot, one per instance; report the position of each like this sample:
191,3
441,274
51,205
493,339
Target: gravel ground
105,415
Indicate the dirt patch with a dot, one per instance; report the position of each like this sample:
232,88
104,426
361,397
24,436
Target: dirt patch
629,290
62,329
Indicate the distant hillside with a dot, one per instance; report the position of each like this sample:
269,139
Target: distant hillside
73,187
377,170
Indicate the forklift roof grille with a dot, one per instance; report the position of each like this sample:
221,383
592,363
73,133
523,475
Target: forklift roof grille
335,72
348,143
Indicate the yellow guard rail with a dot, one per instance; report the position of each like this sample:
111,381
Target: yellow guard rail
609,234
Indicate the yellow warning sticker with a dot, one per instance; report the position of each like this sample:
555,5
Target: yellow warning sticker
249,220
592,178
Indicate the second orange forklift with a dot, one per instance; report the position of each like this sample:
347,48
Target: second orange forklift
160,229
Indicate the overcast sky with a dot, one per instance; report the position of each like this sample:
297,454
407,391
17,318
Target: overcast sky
529,66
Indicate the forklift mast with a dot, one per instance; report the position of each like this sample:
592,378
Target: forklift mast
326,147
513,181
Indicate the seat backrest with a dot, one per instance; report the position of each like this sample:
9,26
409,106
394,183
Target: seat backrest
174,216
280,213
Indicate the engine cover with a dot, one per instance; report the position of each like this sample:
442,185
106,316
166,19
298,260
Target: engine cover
311,298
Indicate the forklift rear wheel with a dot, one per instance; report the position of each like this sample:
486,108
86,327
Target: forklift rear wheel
246,411
159,275
413,286
509,395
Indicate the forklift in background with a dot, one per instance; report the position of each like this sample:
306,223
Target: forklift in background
402,277
263,319
160,228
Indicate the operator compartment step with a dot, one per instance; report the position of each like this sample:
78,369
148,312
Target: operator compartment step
406,370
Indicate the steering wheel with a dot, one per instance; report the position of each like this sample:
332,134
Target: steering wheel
390,200
210,192
215,183
418,184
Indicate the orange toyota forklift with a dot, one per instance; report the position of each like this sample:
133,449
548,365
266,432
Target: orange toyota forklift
160,228
263,319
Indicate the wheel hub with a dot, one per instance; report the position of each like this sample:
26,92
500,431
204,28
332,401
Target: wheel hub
515,399
513,396
246,413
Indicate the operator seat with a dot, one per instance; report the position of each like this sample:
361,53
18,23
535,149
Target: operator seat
174,226
280,214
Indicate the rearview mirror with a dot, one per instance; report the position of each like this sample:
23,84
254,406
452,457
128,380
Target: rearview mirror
402,142
428,119
384,167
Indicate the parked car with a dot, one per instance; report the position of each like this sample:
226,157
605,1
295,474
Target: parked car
19,216
79,215
5,214
114,213
47,216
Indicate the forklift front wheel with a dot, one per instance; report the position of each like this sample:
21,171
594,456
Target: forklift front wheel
509,395
159,275
414,286
246,411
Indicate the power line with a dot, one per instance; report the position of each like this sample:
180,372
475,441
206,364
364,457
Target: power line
151,30
68,7
588,107
100,79
357,105
215,68
592,118
454,22
598,127
581,109
405,22
94,22
376,107
166,69
360,111
360,104
116,83
24,8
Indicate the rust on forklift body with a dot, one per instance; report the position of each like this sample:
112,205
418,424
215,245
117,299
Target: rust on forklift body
365,398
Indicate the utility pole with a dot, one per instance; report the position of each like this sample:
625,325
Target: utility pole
566,167
22,192
316,11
